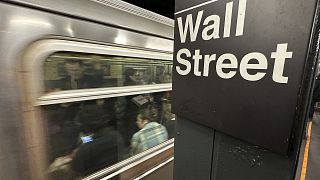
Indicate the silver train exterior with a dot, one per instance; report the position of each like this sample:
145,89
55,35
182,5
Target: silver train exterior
29,29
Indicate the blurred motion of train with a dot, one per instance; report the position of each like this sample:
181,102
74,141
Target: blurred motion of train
85,91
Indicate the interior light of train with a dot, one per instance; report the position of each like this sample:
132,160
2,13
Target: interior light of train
226,62
30,21
120,39
70,31
69,57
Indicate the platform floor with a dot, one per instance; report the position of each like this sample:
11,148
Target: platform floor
313,163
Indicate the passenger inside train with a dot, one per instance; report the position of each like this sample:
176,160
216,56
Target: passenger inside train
151,133
101,145
68,71
78,76
87,136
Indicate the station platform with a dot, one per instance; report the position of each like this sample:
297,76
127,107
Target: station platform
310,169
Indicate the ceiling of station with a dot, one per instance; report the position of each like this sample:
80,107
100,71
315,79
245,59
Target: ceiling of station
163,7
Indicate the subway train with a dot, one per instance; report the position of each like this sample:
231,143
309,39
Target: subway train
85,91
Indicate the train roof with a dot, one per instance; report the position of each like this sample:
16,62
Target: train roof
122,14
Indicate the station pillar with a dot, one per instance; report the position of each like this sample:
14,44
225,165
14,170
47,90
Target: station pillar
242,78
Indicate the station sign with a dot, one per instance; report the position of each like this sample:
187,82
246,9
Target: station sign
238,66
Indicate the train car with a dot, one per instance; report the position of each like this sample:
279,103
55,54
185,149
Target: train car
85,91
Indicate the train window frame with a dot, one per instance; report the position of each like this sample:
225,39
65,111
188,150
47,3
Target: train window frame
31,76
37,53
99,93
118,168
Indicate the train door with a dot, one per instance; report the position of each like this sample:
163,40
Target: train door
97,111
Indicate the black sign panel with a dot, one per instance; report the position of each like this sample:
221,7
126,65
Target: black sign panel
238,65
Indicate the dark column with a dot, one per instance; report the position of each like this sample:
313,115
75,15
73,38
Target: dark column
193,151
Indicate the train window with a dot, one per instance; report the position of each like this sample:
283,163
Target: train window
87,136
67,70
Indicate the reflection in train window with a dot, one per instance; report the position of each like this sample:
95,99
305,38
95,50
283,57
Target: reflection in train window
87,136
66,70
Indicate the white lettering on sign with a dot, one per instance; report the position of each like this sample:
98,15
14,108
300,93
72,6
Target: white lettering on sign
214,27
221,65
227,65
183,61
241,16
279,59
227,20
244,66
212,22
279,56
189,24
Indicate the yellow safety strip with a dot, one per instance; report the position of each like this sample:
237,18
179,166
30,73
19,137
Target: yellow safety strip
306,153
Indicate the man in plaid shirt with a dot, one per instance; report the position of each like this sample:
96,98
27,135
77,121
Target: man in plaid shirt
150,133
